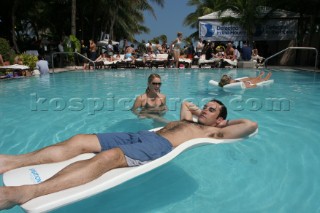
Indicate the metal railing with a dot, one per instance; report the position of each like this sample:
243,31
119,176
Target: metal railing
295,48
68,53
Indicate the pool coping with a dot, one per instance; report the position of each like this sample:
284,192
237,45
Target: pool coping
285,68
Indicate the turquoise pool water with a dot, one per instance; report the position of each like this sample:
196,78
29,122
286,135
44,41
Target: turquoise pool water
275,171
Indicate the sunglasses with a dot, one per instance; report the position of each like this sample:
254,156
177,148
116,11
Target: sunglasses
211,109
155,83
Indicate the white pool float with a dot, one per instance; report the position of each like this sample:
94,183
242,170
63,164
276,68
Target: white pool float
239,85
39,173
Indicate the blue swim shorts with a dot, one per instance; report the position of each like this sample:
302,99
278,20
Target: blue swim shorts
141,146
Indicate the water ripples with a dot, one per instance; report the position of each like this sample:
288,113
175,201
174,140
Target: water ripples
274,171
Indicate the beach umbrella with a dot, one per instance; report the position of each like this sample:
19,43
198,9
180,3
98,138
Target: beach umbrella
105,42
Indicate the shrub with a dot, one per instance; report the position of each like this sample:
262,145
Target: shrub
71,44
75,43
29,60
5,50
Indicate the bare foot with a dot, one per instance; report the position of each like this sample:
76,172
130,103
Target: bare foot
14,195
6,195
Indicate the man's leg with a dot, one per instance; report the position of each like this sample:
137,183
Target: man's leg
59,152
75,174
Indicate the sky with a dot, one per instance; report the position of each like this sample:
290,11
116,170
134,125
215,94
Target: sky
169,20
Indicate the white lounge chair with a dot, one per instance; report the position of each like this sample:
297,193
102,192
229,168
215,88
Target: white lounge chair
186,62
15,67
212,62
233,63
160,60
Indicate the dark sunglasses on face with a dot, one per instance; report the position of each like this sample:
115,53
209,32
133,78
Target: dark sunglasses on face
155,83
211,109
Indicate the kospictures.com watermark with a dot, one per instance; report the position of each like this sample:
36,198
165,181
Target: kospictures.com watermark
111,103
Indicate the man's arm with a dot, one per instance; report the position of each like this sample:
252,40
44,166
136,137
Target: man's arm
188,110
236,128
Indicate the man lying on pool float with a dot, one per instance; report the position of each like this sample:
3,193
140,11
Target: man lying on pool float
115,150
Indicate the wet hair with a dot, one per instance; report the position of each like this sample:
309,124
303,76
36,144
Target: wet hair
224,80
150,79
223,110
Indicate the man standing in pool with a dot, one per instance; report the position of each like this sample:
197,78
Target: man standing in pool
115,150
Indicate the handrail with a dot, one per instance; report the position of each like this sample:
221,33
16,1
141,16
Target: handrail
297,48
57,53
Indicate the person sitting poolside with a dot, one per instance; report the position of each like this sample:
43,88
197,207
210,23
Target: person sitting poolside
117,150
248,82
98,63
148,57
220,52
18,60
255,56
1,61
229,52
210,52
115,57
151,104
129,53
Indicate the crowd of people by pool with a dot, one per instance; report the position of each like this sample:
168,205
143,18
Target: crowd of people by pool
177,54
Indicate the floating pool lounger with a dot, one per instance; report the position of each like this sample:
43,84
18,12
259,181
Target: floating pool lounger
39,173
239,85
15,67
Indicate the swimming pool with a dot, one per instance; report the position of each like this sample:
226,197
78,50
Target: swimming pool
275,171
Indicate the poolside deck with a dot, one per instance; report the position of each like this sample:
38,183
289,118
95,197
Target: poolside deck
284,68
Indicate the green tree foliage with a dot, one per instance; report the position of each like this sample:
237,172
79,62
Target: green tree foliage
203,7
5,49
29,60
34,19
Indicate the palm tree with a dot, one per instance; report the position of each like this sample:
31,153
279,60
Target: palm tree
204,7
121,18
73,17
127,16
73,14
13,19
163,38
